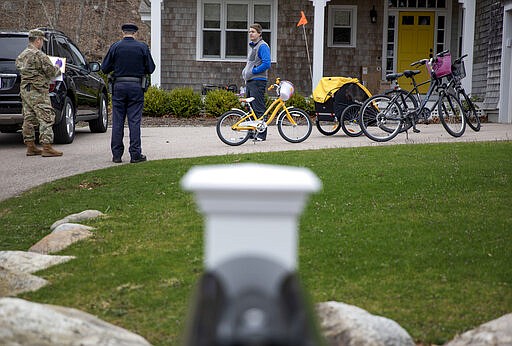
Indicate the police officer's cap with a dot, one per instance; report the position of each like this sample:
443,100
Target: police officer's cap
36,33
129,27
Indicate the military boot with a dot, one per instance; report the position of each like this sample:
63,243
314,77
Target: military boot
32,150
48,151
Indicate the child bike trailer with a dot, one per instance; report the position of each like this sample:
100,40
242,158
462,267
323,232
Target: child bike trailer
332,96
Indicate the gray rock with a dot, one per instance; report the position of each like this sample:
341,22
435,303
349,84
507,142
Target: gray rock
347,325
61,237
84,215
27,323
29,262
497,332
14,282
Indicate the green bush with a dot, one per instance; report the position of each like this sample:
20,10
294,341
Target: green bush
185,103
156,102
299,101
216,102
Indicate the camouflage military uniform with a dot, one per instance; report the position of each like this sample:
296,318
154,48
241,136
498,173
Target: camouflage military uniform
36,72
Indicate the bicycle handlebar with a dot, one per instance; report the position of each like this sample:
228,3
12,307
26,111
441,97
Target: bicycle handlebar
458,60
419,62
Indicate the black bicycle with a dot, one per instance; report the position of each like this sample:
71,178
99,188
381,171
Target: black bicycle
382,117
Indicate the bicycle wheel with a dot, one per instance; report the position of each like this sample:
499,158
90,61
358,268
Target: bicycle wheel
469,110
294,133
225,128
408,103
380,118
451,115
350,121
327,125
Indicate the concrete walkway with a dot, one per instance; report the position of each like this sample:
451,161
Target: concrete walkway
92,151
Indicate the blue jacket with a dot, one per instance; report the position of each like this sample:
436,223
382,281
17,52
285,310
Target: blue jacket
128,58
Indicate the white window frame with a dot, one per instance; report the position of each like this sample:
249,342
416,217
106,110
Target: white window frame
353,25
223,15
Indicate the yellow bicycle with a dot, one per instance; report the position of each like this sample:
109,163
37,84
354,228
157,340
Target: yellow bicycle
236,126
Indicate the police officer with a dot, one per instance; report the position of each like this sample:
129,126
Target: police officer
130,61
36,71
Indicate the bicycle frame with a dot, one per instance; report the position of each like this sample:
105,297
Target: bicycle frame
276,106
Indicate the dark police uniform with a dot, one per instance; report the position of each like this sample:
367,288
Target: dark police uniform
129,60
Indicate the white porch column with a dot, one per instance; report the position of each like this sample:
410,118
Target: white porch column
468,40
505,103
318,41
156,39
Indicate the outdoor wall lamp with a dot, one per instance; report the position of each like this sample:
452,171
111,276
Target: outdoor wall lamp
373,15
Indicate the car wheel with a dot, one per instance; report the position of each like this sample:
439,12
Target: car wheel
100,124
64,130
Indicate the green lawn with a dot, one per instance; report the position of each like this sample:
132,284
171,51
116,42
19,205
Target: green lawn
421,234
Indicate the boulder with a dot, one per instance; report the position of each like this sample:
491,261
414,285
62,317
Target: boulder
13,282
61,237
493,333
29,262
347,325
27,323
84,215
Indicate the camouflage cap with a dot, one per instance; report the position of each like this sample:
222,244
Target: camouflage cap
36,33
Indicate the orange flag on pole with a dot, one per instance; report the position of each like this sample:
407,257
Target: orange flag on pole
303,20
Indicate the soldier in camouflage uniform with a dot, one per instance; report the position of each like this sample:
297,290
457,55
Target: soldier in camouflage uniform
36,73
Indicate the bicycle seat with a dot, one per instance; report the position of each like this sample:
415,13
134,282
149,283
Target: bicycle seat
410,73
393,76
248,100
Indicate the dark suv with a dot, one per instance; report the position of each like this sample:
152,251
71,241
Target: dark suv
81,96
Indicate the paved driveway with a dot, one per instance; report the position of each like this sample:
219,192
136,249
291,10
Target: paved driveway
92,151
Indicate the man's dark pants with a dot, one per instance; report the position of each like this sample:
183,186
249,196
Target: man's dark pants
127,102
256,89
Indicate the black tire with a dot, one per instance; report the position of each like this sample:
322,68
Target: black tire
350,121
469,109
408,102
451,114
100,124
64,130
327,125
380,118
224,128
294,133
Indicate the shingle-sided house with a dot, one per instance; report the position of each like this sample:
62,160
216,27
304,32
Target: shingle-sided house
198,42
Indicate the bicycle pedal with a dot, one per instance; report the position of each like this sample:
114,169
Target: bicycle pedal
415,130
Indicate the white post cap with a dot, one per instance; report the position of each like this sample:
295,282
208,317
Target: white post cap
251,209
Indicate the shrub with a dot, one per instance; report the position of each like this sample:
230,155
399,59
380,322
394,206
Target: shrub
156,102
216,102
185,103
299,101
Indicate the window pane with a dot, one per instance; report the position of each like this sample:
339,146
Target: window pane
267,38
342,18
211,16
440,22
211,43
441,3
422,3
423,20
237,16
408,20
341,35
391,22
412,3
236,44
262,16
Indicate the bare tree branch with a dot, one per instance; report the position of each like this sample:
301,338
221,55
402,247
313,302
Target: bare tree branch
48,18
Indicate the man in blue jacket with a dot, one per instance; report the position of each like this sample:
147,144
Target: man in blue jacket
255,72
130,61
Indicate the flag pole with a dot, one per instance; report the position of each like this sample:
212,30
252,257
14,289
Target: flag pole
307,52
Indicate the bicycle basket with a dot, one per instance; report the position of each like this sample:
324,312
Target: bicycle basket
286,90
442,66
459,71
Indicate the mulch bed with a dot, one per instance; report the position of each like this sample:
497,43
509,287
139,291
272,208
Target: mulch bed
167,121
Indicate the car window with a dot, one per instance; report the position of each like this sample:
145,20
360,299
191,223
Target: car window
12,47
78,57
63,50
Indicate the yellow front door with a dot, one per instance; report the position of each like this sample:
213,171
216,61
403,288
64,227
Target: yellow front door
415,42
